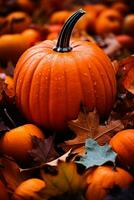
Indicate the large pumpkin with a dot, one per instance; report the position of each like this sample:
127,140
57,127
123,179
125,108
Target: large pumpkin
53,79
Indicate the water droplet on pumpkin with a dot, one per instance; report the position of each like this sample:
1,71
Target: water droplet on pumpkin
95,83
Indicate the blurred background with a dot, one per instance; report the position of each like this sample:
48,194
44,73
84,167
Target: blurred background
24,23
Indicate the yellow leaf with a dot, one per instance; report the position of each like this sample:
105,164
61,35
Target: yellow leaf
65,180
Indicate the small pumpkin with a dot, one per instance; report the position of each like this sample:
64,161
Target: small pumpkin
3,25
29,189
121,7
26,5
59,17
18,141
18,22
122,143
103,178
128,24
98,8
109,21
62,76
13,45
87,22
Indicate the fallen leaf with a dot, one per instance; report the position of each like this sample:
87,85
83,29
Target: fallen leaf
7,93
51,163
128,81
96,155
43,150
10,173
87,126
125,65
64,180
84,127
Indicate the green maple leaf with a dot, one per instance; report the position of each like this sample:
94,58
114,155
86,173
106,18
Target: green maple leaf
96,155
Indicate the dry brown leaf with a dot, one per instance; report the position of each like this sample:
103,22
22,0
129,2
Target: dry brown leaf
10,173
128,81
43,151
51,163
87,126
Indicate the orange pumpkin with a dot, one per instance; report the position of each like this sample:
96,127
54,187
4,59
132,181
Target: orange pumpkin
128,24
26,5
18,21
121,7
3,25
29,189
87,22
109,21
13,45
104,178
62,76
98,8
59,17
18,141
3,192
122,143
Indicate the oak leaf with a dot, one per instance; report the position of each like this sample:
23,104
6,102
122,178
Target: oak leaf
87,126
128,81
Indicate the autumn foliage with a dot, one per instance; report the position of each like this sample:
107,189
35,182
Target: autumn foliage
66,100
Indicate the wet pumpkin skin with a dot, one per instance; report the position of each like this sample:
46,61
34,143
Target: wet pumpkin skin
104,178
59,80
123,144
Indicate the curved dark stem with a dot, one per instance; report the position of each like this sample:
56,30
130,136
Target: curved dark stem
65,34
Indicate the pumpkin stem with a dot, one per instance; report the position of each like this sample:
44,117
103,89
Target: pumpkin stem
65,34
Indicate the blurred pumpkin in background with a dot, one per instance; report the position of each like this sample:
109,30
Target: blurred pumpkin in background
26,5
18,21
59,17
121,7
13,45
128,24
109,21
